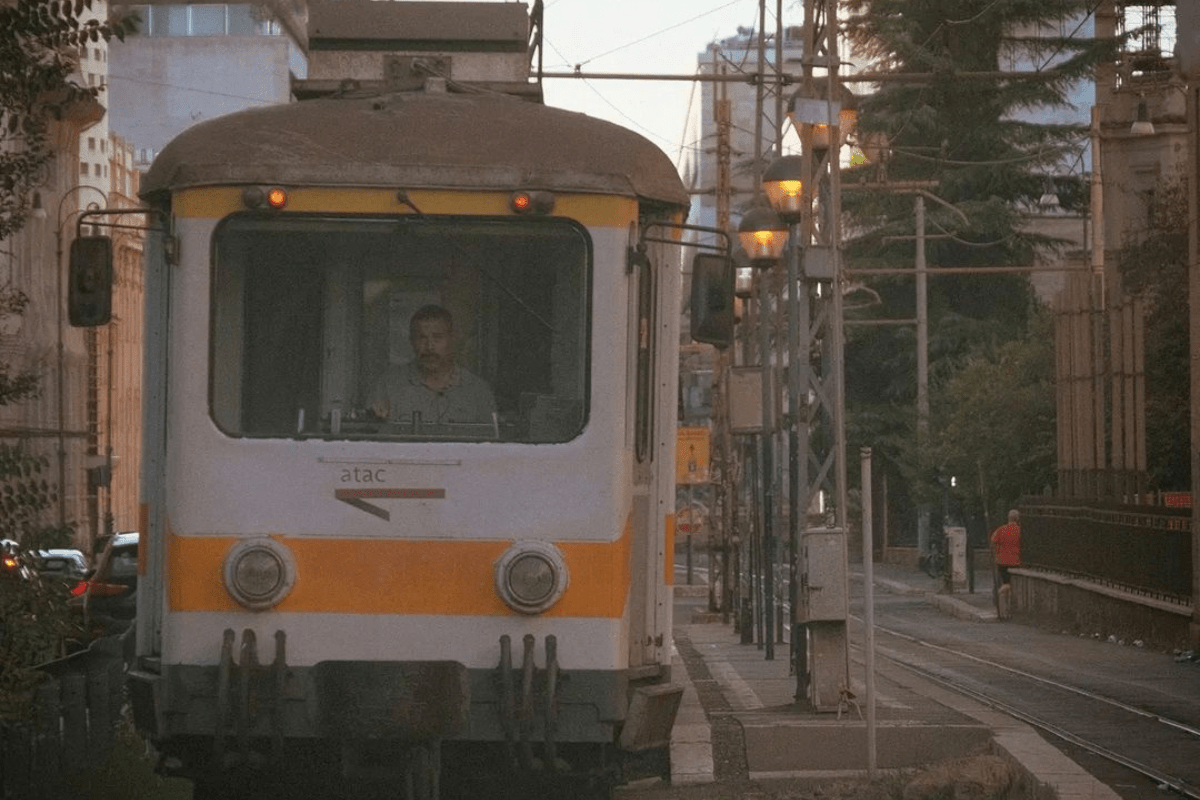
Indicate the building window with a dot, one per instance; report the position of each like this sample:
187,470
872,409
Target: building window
91,143
83,168
1152,42
170,20
207,20
241,21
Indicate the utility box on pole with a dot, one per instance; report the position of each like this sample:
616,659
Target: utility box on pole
823,588
823,607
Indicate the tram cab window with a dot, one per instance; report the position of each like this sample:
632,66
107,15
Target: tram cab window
311,322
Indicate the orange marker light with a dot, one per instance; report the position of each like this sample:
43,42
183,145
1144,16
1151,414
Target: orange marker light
532,202
276,198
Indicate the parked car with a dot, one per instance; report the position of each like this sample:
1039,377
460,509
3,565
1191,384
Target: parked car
65,565
110,599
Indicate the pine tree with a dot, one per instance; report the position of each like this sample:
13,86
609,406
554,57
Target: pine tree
955,123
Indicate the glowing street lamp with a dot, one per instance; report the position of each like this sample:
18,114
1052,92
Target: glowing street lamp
783,181
763,236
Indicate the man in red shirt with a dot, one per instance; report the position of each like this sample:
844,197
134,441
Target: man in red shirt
1006,545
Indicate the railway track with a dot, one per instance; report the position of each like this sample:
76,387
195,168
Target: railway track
1131,725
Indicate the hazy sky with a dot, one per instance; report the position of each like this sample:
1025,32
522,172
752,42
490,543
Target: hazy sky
638,36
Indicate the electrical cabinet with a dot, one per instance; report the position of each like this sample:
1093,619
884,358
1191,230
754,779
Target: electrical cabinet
824,583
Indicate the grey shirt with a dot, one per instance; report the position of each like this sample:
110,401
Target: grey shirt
468,398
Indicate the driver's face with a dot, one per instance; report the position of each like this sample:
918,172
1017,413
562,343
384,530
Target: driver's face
433,345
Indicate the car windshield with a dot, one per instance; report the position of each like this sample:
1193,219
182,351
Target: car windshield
124,562
400,328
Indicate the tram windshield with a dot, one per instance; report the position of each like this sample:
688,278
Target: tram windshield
410,328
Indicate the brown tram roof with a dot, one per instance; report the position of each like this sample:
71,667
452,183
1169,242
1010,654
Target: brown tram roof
411,140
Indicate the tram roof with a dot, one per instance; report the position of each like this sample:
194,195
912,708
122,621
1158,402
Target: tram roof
413,140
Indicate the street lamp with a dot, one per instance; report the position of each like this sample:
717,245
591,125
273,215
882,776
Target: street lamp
60,369
783,182
762,235
819,112
1142,125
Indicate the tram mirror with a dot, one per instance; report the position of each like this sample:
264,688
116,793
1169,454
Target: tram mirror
712,300
89,282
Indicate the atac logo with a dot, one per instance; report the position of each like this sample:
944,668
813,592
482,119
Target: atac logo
361,484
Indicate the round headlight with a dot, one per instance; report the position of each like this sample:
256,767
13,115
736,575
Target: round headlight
531,576
259,573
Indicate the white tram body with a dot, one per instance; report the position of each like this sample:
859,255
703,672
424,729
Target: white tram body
317,579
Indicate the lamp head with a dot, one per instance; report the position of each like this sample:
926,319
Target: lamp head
783,181
762,235
1142,126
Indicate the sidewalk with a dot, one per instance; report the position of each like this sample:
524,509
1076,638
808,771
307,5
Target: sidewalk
917,722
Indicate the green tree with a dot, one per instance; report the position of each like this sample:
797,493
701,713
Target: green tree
39,48
1153,265
955,126
995,431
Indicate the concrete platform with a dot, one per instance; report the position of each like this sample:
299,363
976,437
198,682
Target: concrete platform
917,722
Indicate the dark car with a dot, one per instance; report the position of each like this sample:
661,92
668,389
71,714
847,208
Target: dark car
110,600
64,565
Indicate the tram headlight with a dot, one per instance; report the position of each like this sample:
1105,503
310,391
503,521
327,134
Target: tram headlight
531,576
259,573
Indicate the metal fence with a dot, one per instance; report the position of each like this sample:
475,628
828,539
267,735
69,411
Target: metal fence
1145,549
71,727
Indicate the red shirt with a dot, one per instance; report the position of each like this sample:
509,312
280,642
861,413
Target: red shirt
1007,543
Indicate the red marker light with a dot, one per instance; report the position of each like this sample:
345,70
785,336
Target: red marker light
276,197
532,202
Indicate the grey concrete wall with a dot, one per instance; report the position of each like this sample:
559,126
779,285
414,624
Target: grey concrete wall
1090,609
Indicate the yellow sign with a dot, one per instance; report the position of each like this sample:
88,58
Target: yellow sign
691,455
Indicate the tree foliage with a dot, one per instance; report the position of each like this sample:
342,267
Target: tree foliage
39,50
1153,265
956,126
995,431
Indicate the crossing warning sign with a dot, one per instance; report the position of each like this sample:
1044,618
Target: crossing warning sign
691,455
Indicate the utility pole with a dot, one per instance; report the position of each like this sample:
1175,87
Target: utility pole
818,534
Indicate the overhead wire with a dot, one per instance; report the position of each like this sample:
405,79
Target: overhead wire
681,144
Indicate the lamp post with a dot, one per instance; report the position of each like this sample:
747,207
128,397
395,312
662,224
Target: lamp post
796,186
60,367
763,236
784,184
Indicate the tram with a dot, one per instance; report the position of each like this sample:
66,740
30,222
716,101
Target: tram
341,593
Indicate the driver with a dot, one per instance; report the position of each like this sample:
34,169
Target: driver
432,385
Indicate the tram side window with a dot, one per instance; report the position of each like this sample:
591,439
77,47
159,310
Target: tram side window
313,320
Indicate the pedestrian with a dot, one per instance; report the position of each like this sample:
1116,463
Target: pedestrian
1006,546
1006,554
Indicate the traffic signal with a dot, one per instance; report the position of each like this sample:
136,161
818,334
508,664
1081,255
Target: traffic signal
90,280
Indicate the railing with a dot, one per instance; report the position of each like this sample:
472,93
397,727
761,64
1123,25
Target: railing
72,725
1143,549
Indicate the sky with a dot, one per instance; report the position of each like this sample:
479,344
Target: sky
638,36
